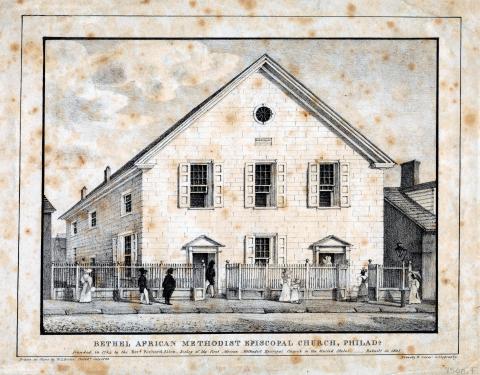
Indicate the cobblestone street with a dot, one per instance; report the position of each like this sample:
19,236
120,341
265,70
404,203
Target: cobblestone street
233,322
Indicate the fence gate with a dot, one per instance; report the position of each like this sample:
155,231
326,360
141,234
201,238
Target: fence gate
198,290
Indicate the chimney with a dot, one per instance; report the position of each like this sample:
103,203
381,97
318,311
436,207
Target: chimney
83,192
410,173
106,174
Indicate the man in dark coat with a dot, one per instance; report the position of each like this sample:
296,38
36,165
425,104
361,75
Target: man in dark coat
168,286
210,276
142,286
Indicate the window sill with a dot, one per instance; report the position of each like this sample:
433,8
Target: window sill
200,208
329,208
126,214
91,228
265,208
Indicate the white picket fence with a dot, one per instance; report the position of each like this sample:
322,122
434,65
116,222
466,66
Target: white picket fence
315,281
124,278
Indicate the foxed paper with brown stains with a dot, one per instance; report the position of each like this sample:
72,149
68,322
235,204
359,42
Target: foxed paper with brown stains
244,187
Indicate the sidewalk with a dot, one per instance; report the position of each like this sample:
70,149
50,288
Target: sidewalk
221,306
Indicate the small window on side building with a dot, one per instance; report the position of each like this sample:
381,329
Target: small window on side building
93,219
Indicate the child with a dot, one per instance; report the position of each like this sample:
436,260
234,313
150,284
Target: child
295,291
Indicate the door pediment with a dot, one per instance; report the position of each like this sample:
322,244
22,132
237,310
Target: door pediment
329,242
203,242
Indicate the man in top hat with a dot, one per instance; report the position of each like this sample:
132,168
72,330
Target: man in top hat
142,285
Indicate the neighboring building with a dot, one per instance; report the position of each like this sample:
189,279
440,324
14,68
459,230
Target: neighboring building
47,210
261,172
59,248
410,219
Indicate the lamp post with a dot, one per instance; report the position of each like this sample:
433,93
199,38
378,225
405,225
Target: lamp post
402,253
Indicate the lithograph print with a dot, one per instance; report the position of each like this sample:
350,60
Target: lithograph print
264,185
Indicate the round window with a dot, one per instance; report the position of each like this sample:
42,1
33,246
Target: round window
263,114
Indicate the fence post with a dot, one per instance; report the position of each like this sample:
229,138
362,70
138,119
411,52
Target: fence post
119,270
160,287
266,282
307,280
337,280
239,281
377,284
402,288
226,278
77,282
52,285
204,275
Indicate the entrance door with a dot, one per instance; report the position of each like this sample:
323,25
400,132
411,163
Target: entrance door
205,258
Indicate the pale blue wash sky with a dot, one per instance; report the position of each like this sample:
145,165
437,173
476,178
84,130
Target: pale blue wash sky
106,100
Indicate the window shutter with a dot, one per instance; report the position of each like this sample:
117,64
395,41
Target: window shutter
115,249
281,249
249,249
121,247
344,185
249,185
184,185
281,185
313,171
217,185
134,249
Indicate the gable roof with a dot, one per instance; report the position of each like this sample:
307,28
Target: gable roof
266,65
419,215
47,207
203,241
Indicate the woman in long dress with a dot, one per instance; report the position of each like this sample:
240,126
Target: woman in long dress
414,296
295,291
363,289
286,281
86,293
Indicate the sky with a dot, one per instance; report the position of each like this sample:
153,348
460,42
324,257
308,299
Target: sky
107,99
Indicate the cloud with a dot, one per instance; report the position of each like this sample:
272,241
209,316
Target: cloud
83,86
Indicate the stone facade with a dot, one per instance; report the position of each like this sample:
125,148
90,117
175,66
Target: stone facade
227,133
96,242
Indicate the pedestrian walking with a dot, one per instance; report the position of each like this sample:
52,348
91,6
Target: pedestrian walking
414,284
286,281
168,286
295,291
210,277
363,289
87,288
142,286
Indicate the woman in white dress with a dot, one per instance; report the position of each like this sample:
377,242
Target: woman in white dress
286,281
86,293
295,292
414,286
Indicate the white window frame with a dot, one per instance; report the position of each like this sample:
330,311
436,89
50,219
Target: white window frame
278,248
273,186
90,213
336,186
123,211
272,251
74,228
210,199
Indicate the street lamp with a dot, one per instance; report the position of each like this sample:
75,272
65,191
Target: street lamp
402,253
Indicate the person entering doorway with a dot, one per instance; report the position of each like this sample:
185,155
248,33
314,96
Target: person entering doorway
210,277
